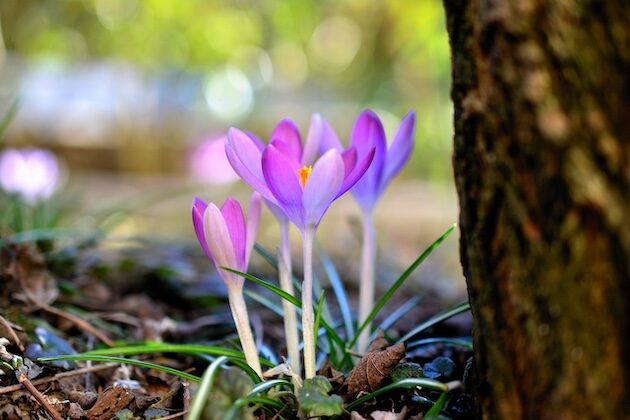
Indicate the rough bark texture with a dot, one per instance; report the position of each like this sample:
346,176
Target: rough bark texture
541,90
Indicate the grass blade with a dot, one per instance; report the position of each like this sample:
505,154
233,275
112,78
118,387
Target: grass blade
405,383
397,315
284,295
150,348
437,406
383,300
267,303
207,380
273,261
318,313
461,342
338,289
122,360
262,387
436,319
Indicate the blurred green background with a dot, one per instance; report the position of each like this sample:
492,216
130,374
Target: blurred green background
129,85
125,91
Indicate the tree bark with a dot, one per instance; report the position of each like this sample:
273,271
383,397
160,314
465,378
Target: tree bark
541,91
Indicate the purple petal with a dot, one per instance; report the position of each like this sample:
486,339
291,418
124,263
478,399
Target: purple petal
282,148
313,140
277,211
283,183
198,209
235,222
286,137
259,143
328,139
349,157
253,218
357,172
219,240
322,186
245,157
368,133
400,149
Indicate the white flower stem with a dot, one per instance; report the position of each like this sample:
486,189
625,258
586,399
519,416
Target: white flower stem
290,314
241,319
307,304
366,288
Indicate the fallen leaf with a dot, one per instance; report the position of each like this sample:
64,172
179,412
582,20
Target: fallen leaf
110,402
373,369
379,342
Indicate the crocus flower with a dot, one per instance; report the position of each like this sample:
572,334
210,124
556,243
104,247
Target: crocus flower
368,134
287,175
209,164
290,177
31,173
227,239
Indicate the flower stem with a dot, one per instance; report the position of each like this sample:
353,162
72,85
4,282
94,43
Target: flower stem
241,319
290,314
366,289
307,304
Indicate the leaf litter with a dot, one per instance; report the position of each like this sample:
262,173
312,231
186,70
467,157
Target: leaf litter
81,298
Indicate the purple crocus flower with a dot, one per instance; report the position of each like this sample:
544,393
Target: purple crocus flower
227,239
368,134
209,164
224,235
31,173
287,175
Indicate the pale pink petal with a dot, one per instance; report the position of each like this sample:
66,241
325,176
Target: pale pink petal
322,186
245,156
219,240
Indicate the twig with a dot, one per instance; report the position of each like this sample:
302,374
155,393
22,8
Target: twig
14,337
37,382
84,325
23,379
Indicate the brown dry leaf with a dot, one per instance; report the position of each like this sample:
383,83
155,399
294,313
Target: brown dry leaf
111,401
379,342
373,369
335,377
33,282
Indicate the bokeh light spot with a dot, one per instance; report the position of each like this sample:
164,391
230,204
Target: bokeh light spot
229,94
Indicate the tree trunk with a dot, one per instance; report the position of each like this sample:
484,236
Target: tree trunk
541,91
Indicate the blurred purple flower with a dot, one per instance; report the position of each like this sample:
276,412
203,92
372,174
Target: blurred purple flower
208,162
289,176
368,134
225,236
33,174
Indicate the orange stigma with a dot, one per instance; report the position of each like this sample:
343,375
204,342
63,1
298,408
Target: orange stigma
303,175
